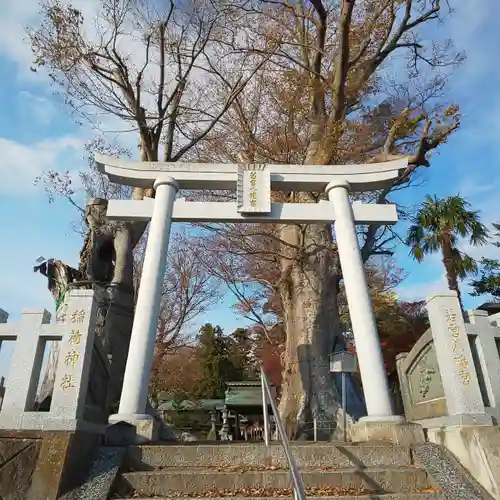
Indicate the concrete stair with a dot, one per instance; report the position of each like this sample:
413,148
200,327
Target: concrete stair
244,471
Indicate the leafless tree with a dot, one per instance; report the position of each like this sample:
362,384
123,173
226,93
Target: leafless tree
143,67
351,81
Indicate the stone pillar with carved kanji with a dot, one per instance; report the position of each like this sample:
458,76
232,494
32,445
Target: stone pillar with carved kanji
456,365
73,370
75,332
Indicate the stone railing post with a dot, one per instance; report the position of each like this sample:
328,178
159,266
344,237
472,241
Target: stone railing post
477,317
483,337
404,385
26,364
4,316
2,390
76,333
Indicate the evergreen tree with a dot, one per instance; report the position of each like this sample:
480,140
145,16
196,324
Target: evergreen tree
242,354
216,363
489,281
438,226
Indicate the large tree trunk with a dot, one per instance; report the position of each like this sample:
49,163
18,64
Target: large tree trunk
115,317
308,291
107,260
451,273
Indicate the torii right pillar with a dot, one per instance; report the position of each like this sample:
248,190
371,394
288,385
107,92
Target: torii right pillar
381,423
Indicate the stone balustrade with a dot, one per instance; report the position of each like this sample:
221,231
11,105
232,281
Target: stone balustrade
451,376
74,329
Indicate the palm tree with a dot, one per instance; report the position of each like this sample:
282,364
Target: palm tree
437,227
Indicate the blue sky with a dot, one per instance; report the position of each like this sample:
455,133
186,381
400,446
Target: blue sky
36,134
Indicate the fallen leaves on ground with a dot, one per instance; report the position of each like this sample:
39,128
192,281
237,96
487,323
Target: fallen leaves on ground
329,491
266,468
277,492
247,468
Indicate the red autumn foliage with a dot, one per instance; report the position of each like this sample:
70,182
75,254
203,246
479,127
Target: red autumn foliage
269,351
402,325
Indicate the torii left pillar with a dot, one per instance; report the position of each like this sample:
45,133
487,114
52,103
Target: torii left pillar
134,395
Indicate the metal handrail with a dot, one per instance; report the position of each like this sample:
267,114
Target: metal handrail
298,485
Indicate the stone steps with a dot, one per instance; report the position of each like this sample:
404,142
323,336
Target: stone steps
254,472
191,481
253,455
388,496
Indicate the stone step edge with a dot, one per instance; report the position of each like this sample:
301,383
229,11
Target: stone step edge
208,471
273,444
205,469
372,496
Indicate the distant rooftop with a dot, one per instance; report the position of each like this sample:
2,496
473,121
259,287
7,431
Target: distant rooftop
202,404
244,383
246,393
490,307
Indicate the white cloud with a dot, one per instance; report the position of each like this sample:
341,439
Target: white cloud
422,291
482,193
36,107
489,251
15,47
474,188
425,290
482,197
16,17
472,29
20,163
425,279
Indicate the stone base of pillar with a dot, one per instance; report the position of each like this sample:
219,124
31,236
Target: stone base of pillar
393,430
475,419
132,429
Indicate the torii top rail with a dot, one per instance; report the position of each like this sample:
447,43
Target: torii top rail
367,177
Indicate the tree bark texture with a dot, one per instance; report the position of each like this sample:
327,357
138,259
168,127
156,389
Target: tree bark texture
106,260
308,290
451,273
106,266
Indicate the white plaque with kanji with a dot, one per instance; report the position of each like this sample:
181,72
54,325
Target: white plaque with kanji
253,189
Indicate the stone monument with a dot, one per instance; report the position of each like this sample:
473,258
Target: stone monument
75,331
454,357
439,377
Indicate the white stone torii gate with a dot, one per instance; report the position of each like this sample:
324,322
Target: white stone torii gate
253,184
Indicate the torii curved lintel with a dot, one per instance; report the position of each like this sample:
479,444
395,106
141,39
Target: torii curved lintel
364,177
